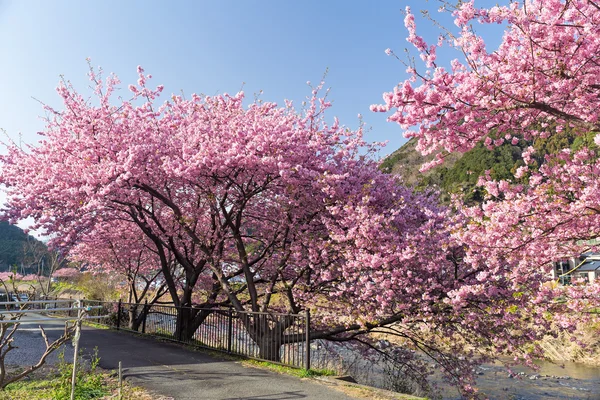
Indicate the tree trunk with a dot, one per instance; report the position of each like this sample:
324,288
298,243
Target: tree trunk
137,318
267,333
188,321
269,346
133,317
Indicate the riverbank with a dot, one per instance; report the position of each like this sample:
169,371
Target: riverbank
553,380
584,350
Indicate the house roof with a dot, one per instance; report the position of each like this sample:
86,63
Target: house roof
589,265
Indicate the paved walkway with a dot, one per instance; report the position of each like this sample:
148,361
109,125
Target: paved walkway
173,371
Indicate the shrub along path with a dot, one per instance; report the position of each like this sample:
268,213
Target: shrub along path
169,369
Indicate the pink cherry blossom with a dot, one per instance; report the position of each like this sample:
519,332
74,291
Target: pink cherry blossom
66,272
545,70
542,79
266,208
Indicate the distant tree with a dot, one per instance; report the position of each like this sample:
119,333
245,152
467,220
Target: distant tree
34,253
54,260
5,276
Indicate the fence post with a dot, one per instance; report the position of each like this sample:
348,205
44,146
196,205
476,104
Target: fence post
145,311
179,322
119,315
307,340
76,346
229,329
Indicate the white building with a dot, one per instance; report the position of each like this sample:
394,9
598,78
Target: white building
586,266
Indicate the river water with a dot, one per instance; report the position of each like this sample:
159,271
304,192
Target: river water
553,381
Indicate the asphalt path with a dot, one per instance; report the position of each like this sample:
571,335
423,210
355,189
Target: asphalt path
29,344
173,371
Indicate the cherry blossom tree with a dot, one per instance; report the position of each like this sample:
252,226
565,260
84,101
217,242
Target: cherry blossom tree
264,208
543,79
67,272
10,276
30,277
187,173
118,248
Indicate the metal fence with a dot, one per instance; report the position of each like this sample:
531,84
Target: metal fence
49,306
273,337
58,309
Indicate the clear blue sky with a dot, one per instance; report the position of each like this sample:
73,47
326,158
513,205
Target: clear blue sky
206,47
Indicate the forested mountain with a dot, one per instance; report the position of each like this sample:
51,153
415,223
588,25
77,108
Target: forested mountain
460,172
19,249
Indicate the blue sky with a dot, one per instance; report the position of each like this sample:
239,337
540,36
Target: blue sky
207,47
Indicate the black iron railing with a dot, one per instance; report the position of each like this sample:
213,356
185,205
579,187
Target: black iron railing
274,337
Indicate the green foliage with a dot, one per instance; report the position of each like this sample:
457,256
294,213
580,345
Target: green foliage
460,175
89,383
31,390
586,140
93,287
61,286
55,383
308,373
388,163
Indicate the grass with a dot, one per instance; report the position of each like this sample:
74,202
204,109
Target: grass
62,286
44,387
282,369
48,384
54,382
96,325
353,390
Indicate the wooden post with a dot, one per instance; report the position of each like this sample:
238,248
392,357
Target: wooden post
120,381
76,347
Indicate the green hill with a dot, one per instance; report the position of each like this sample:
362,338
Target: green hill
459,172
18,248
